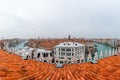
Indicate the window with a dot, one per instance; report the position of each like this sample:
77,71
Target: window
27,57
80,48
55,53
59,49
43,54
68,54
61,61
51,54
76,49
68,49
76,54
38,55
62,49
62,54
61,57
83,51
83,47
72,49
46,54
72,54
69,58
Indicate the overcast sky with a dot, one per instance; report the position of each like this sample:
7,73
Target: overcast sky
59,18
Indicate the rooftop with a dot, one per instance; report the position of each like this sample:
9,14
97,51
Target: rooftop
69,44
12,67
49,44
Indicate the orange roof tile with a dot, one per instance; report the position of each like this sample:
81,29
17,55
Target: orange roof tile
12,67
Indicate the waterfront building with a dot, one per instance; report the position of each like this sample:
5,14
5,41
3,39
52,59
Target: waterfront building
66,52
39,55
69,52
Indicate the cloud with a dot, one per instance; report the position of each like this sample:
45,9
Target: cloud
58,18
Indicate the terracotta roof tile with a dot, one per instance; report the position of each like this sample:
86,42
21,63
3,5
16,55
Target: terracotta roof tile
12,67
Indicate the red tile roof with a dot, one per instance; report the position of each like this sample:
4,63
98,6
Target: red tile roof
49,44
13,68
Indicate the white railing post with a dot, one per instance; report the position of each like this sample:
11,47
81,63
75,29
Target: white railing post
116,52
89,57
113,51
96,56
106,53
110,53
101,55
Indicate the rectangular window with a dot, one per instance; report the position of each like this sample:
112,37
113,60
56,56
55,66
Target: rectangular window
62,49
68,49
68,54
72,49
80,48
83,47
69,58
76,49
76,53
59,49
59,53
62,54
72,54
61,57
55,53
83,51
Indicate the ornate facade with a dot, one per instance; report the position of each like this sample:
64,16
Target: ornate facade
69,52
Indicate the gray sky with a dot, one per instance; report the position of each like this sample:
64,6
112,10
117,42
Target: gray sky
58,18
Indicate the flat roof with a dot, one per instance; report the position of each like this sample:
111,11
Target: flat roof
43,50
69,44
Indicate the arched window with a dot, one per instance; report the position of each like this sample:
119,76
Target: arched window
27,57
32,55
38,55
45,61
44,55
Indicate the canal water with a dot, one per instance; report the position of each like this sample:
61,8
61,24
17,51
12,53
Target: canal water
103,48
21,45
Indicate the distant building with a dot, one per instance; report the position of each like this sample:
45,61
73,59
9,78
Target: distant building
69,37
39,54
63,53
69,52
1,45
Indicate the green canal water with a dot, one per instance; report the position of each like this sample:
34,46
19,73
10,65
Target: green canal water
103,47
21,45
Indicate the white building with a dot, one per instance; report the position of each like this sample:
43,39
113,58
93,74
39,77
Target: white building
43,55
69,52
39,55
